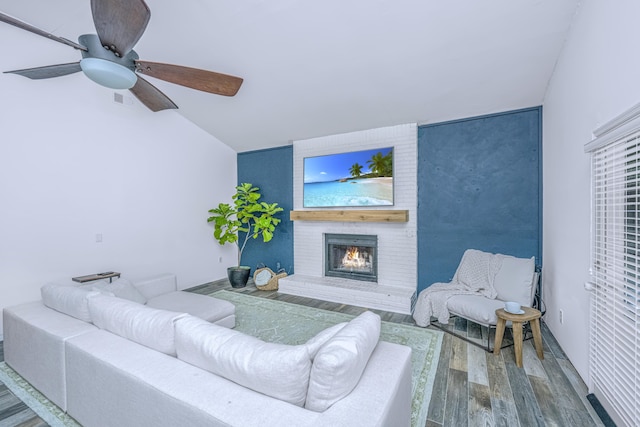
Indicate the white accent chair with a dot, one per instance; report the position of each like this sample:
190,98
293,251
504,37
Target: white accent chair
507,279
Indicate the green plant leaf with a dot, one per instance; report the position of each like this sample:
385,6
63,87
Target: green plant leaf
246,215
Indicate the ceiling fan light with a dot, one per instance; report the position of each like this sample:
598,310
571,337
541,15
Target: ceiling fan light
108,74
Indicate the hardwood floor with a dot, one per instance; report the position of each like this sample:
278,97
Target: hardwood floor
471,388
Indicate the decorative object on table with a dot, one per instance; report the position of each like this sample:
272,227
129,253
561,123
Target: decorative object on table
266,280
247,215
513,307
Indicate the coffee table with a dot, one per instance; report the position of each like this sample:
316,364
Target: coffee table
530,315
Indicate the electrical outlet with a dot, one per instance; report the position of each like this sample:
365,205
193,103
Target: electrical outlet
99,238
561,317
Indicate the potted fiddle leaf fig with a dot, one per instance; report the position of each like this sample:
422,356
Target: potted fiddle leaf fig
246,215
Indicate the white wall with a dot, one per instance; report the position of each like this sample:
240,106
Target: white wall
596,79
76,164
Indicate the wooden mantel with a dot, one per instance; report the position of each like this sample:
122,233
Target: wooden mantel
351,215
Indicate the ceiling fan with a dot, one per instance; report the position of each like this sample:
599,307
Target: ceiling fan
108,58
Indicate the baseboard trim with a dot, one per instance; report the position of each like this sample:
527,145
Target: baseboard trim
602,413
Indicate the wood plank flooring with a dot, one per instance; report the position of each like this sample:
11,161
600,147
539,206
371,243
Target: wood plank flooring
471,388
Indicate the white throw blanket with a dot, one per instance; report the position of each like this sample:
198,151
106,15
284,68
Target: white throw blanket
474,276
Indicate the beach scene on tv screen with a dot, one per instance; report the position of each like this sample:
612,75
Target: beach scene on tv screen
359,178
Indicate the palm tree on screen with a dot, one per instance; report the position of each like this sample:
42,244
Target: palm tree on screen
356,170
381,165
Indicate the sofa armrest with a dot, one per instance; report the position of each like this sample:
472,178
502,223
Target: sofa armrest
383,395
157,285
34,346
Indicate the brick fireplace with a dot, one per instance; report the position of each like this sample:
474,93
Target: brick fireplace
395,284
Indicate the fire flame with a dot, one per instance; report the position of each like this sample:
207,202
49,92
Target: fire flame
353,259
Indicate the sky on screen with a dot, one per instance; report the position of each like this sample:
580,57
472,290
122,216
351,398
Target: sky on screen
337,166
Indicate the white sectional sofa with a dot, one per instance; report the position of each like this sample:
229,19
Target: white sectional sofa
153,367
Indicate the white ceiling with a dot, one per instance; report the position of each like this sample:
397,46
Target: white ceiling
315,68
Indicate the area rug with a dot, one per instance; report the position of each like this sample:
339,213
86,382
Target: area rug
282,322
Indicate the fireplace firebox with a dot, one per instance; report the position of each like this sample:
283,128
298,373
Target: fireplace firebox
351,256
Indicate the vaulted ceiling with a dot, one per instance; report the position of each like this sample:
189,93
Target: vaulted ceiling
314,68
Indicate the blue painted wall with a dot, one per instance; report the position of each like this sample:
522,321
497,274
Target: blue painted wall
272,171
479,186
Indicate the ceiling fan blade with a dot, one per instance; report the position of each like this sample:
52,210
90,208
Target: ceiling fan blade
120,23
48,71
207,81
151,96
23,25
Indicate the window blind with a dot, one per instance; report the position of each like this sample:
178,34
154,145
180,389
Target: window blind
614,336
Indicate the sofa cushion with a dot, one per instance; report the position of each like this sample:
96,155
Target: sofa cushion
151,287
339,364
202,306
122,288
315,343
150,327
475,307
514,280
277,370
70,300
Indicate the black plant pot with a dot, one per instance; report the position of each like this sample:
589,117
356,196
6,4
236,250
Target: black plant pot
238,276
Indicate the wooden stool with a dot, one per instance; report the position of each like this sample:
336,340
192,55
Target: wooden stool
530,315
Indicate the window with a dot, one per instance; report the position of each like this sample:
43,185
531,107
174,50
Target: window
615,339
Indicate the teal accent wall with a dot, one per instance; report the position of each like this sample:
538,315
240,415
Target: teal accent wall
272,171
480,187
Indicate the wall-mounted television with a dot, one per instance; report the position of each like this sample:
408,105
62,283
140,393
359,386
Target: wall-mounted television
357,178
